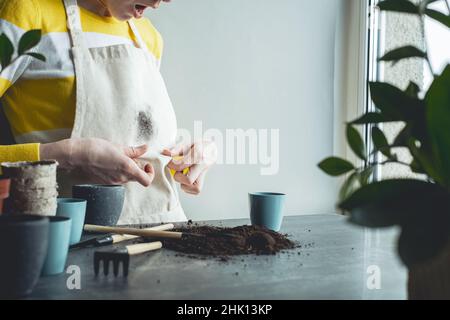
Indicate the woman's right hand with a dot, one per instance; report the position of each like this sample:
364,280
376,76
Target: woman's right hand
106,162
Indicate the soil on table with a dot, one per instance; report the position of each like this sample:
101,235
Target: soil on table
222,242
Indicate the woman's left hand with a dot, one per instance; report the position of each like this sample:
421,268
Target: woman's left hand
198,157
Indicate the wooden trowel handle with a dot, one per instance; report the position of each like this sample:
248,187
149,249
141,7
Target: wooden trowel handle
125,237
134,232
135,249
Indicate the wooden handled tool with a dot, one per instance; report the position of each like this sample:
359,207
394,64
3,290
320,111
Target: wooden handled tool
116,238
135,232
122,256
160,234
124,237
139,248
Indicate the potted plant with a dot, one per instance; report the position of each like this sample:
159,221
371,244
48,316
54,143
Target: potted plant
27,42
421,207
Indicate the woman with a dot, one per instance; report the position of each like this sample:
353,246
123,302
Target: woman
99,94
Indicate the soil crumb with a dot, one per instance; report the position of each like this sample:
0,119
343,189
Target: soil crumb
244,240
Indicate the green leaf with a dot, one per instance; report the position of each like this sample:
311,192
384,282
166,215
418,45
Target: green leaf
365,175
336,166
396,202
380,142
356,142
413,90
395,103
29,40
398,6
425,161
349,186
373,117
416,167
438,123
438,16
6,51
36,56
402,138
403,53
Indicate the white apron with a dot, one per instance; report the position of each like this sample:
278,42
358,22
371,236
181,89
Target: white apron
121,97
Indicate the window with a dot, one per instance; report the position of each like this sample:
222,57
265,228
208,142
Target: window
392,30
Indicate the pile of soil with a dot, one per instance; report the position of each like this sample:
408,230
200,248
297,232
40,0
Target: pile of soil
219,241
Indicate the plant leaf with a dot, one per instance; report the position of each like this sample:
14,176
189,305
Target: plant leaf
396,202
380,142
425,162
356,142
365,175
403,53
36,56
416,167
334,166
395,103
413,90
349,186
29,40
438,16
373,117
398,6
438,123
402,138
6,51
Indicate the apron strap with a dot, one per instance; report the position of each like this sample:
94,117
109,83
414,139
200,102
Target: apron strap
76,31
139,39
74,23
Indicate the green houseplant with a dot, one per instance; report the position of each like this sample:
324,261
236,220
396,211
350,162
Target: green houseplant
421,207
27,42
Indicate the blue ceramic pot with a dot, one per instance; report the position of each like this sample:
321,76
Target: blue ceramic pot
266,209
23,248
58,245
76,210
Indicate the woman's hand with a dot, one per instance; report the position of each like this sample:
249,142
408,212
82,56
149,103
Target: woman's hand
198,157
107,162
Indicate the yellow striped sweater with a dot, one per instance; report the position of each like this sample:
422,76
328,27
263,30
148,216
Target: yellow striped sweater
39,97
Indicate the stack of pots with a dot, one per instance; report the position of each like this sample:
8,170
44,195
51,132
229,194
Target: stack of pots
33,187
24,225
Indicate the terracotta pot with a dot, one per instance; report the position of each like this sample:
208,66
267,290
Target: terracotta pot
4,191
431,280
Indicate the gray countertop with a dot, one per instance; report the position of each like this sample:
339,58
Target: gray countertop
335,262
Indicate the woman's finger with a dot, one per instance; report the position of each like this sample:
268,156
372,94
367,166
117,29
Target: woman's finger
196,187
134,173
178,150
194,157
194,173
136,152
188,189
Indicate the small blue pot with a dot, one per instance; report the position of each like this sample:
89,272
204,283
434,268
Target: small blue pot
58,245
266,209
76,210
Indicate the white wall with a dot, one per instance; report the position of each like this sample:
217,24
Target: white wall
438,38
258,64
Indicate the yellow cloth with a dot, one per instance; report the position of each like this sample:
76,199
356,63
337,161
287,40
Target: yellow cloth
23,152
